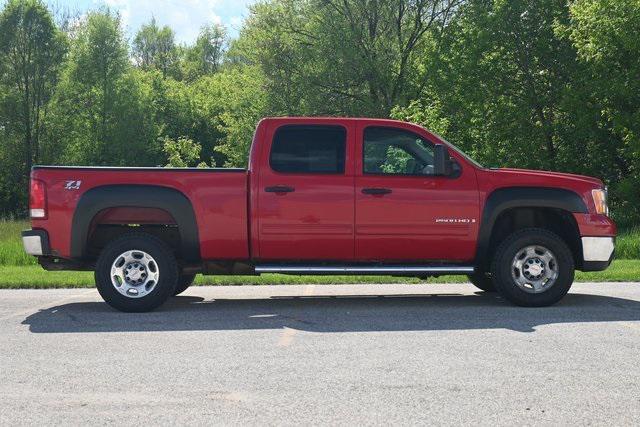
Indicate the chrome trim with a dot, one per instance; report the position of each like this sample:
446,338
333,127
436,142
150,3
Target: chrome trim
597,248
32,245
134,273
534,269
363,269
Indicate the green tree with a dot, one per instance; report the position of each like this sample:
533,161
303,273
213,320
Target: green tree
145,45
98,60
155,47
428,115
182,153
206,55
354,57
240,103
101,111
31,51
186,110
606,34
502,76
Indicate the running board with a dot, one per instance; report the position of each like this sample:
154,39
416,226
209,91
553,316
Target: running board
350,269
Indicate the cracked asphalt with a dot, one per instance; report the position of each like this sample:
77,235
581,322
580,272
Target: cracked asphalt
292,355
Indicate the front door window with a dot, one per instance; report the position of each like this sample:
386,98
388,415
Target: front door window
396,152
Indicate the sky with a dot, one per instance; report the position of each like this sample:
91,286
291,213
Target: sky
185,17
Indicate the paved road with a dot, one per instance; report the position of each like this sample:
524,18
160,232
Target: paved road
322,354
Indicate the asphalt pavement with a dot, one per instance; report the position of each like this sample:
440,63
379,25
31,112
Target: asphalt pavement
310,355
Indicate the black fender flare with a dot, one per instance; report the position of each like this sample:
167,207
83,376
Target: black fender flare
141,196
504,199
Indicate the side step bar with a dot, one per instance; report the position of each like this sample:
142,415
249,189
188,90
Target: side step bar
353,269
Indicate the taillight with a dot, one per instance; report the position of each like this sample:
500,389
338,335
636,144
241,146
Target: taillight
38,199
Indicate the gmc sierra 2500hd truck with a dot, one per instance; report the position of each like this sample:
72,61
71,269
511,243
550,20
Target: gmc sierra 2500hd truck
322,196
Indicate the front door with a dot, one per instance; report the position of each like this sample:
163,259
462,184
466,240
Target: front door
403,212
305,202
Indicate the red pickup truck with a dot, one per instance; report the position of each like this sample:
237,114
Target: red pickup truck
322,196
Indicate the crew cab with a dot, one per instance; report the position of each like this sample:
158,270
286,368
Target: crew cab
322,196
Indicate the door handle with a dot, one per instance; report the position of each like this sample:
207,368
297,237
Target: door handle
376,191
279,189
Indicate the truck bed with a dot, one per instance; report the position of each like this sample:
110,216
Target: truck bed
218,197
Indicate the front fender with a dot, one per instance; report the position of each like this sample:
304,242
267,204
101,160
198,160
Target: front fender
504,199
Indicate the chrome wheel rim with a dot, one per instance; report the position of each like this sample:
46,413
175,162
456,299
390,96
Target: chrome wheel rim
534,269
134,274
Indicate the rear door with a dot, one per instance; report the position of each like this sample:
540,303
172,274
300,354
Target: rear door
403,211
305,201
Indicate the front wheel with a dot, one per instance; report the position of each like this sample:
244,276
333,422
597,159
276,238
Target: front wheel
533,268
136,272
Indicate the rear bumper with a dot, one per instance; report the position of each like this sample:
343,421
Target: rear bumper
36,242
597,253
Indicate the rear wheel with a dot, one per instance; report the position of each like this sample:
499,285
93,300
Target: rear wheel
482,281
184,282
136,273
533,268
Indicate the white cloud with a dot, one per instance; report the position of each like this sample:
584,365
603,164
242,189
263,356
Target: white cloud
185,17
235,22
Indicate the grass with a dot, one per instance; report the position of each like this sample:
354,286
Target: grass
11,251
18,270
34,277
628,244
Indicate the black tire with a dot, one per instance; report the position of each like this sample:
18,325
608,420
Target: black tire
184,281
482,282
502,267
164,262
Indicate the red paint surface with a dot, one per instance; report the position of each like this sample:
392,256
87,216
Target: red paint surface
315,222
219,201
594,225
327,217
403,225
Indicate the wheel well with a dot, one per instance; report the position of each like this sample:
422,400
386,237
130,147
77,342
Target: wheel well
555,220
158,209
112,223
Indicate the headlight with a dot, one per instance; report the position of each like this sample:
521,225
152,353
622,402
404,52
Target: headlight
600,201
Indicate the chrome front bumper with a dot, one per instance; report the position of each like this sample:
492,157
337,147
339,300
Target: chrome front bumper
597,253
598,249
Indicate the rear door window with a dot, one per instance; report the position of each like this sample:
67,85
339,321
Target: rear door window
309,150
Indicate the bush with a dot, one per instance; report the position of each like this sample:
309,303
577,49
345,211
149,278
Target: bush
11,251
628,244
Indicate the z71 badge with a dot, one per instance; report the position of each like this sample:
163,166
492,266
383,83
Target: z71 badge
72,185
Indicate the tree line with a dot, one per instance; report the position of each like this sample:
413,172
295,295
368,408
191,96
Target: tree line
544,84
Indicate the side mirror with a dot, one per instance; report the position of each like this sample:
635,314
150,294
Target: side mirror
441,160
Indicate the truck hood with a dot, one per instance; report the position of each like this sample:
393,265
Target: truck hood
537,176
